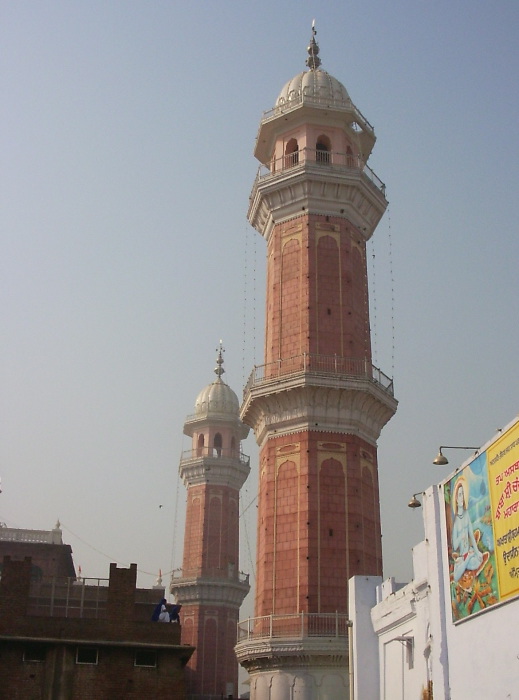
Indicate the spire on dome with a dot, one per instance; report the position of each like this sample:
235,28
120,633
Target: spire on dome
219,370
313,61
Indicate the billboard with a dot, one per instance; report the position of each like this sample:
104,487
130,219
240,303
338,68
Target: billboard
482,518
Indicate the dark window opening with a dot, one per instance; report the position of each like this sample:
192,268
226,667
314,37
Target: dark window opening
291,153
330,532
322,150
145,657
200,446
36,573
217,444
86,655
34,653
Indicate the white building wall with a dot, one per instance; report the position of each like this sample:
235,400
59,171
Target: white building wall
484,655
362,594
483,650
401,623
405,643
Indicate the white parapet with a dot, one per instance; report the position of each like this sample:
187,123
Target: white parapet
302,655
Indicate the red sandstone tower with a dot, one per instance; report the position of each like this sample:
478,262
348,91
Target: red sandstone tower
317,405
210,587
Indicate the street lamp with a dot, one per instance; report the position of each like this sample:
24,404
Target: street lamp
442,460
414,502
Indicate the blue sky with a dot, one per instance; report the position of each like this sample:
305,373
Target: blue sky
125,255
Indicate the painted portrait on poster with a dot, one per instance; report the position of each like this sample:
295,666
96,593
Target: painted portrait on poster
470,537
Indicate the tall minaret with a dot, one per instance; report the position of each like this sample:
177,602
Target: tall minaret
317,405
210,587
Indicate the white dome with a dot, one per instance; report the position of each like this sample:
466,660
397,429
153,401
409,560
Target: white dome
217,398
315,86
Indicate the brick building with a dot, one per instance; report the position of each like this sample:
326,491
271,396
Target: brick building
49,556
90,639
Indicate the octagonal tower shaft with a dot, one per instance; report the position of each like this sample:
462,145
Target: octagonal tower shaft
317,405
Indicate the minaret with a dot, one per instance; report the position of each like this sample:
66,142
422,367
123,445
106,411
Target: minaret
317,405
210,587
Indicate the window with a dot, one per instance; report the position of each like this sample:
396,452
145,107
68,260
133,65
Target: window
36,573
322,154
291,153
217,444
86,655
146,657
322,150
34,653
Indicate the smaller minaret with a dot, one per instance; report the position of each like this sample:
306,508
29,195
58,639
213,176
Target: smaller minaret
210,587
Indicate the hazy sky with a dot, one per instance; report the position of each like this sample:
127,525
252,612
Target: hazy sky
127,132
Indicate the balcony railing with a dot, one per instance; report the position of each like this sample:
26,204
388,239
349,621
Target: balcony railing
317,101
296,626
343,163
217,574
215,453
318,365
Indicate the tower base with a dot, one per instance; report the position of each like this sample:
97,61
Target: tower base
302,666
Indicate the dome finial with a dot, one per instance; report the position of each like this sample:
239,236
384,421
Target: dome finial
219,370
313,61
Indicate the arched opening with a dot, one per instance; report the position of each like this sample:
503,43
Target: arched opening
291,153
217,444
323,149
233,447
200,446
350,161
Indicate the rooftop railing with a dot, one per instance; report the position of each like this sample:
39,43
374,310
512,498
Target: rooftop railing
318,366
344,163
215,453
68,597
295,626
12,534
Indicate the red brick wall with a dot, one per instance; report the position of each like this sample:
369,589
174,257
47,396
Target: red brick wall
52,559
14,588
116,636
211,548
211,533
317,297
212,629
115,675
318,521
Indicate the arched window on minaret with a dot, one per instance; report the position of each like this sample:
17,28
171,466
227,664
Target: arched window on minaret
323,149
291,153
349,157
200,445
233,446
217,444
